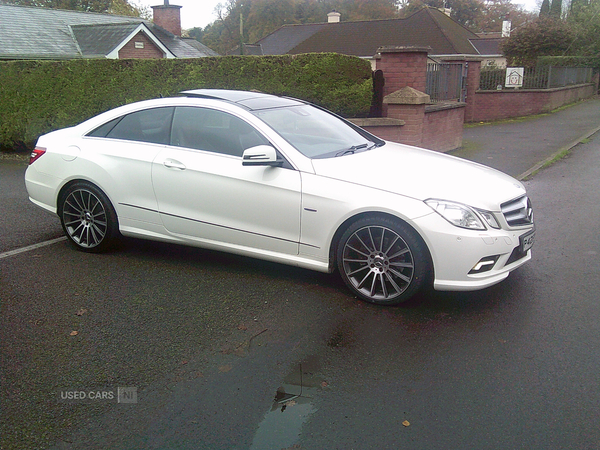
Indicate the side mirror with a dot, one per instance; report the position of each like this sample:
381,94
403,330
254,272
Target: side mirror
261,155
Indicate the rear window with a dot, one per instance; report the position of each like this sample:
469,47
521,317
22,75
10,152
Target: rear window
103,130
150,125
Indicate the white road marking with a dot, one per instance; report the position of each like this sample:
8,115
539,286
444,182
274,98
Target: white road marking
31,247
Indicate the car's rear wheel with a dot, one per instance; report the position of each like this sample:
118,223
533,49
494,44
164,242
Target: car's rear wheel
382,260
88,218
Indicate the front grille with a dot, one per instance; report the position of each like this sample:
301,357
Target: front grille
518,211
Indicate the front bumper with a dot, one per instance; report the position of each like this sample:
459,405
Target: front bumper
465,260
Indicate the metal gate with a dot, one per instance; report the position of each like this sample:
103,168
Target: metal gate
447,81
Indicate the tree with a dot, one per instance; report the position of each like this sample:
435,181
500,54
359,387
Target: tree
477,15
577,33
584,18
121,7
194,33
543,37
555,9
497,11
262,17
467,12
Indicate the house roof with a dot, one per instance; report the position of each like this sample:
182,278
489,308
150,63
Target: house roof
99,40
286,38
42,33
487,45
427,27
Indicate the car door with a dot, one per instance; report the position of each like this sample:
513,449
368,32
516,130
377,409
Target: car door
123,150
204,192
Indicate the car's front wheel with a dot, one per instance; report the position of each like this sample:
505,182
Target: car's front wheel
88,218
382,260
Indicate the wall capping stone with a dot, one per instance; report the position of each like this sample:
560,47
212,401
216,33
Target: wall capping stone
407,96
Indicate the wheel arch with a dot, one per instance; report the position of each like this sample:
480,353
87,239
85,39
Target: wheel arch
65,187
379,214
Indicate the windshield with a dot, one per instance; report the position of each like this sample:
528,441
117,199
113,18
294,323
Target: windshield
313,132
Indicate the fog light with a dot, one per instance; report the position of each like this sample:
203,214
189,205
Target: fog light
484,265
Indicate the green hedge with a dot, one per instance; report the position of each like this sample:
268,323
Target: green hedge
40,96
569,61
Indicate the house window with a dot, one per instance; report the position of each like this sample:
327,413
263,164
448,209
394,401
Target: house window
139,45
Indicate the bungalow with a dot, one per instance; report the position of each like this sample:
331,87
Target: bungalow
428,27
42,33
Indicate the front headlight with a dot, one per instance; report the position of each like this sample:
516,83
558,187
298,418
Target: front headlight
489,218
461,215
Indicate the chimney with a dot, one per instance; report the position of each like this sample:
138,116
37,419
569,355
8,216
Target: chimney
333,17
506,25
168,17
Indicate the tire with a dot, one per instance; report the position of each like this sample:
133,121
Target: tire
88,218
382,260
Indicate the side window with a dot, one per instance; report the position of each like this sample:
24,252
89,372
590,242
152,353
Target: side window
103,130
150,125
214,131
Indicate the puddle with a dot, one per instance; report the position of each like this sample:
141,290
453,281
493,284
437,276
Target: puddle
291,408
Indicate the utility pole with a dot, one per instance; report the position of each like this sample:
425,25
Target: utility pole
241,32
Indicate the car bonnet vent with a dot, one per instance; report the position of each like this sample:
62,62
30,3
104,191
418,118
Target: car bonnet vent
518,212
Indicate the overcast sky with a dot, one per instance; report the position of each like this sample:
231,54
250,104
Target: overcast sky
199,13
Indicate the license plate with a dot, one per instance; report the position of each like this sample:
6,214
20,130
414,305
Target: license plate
526,240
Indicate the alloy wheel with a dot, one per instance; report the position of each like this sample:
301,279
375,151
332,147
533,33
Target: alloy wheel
378,263
84,217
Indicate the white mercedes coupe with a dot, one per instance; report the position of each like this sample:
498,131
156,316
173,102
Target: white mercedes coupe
283,180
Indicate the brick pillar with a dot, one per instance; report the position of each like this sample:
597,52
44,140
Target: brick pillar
168,17
403,66
473,74
408,105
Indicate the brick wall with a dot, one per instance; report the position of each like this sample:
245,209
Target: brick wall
436,127
439,127
382,127
149,50
496,105
443,126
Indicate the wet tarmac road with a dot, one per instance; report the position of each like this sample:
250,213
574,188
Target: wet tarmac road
226,352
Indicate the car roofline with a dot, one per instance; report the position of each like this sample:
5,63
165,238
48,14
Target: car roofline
230,95
238,97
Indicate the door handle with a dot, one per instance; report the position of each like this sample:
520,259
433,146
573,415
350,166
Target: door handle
173,164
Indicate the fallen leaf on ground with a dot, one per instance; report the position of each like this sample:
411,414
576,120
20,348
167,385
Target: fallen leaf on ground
406,423
225,368
81,312
74,333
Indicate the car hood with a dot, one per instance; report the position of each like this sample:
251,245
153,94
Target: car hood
423,174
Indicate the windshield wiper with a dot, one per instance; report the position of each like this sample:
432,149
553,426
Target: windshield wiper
351,150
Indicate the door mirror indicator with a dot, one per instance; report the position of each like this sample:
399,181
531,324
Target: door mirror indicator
261,155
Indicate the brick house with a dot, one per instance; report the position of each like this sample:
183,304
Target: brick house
42,33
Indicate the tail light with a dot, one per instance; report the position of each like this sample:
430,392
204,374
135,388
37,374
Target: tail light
35,154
